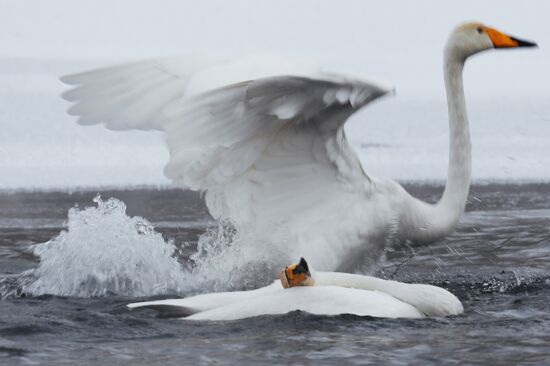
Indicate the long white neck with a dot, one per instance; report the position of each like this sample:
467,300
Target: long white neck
430,300
459,171
425,221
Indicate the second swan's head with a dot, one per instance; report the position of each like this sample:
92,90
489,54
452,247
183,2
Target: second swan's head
471,38
296,275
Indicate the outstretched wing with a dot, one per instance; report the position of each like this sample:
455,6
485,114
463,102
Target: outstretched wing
132,96
268,147
266,150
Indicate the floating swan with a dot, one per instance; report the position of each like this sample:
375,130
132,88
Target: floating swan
264,137
321,293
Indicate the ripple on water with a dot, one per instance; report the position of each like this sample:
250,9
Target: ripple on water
496,263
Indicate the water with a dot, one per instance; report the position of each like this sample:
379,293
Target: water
497,263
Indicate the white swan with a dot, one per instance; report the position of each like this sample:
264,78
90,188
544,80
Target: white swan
264,137
329,293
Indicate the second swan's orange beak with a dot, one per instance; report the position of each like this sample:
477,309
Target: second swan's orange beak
501,40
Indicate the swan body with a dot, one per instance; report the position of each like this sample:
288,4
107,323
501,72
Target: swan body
264,137
328,300
333,293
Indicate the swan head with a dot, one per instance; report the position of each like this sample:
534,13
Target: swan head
471,38
296,275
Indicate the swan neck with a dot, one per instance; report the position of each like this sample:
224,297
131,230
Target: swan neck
455,195
426,222
353,281
428,300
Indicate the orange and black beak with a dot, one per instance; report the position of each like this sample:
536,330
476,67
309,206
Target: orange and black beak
501,40
296,275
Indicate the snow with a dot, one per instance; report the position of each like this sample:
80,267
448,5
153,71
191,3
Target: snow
404,137
41,147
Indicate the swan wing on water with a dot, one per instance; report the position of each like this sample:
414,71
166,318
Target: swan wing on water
199,303
322,300
267,149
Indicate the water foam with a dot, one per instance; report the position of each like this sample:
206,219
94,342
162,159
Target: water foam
105,252
236,258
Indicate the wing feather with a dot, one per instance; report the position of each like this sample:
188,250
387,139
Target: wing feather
241,122
132,96
266,150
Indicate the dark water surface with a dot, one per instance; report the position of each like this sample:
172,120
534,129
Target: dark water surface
497,263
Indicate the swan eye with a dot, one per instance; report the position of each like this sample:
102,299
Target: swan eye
479,30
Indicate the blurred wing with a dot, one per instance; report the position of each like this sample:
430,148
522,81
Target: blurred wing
267,149
272,147
132,96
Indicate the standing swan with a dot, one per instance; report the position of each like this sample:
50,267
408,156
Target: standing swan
264,138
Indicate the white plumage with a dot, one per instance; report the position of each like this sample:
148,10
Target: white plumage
267,149
326,300
333,293
264,137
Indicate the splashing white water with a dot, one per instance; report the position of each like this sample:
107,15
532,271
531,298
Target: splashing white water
106,252
230,258
103,252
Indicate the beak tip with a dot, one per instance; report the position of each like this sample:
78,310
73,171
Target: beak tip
524,43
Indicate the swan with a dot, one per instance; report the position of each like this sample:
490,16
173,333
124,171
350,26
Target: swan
263,137
321,293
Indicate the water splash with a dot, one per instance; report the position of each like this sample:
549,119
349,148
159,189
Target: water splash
104,251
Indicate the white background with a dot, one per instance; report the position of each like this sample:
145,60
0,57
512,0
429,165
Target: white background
399,42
